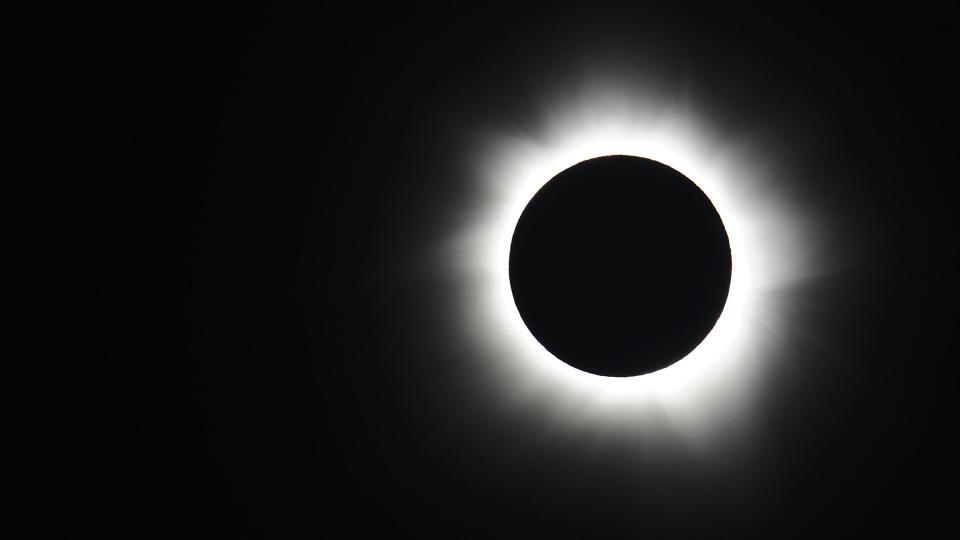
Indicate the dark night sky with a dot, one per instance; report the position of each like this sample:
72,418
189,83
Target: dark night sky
270,358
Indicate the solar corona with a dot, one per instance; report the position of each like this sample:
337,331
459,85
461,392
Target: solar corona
750,245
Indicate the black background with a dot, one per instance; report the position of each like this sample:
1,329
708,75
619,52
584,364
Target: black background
267,359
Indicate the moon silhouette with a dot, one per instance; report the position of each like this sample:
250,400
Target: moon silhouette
620,266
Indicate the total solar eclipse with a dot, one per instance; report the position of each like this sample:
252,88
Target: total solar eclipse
620,266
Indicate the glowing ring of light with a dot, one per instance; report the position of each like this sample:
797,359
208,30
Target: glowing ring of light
768,243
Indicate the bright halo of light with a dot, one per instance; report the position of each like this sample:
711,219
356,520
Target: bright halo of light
711,389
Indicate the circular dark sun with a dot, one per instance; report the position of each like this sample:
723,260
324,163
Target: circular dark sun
620,266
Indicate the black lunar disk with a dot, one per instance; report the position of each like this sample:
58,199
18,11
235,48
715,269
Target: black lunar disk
620,266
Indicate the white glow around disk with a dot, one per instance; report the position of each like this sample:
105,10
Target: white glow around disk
708,392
